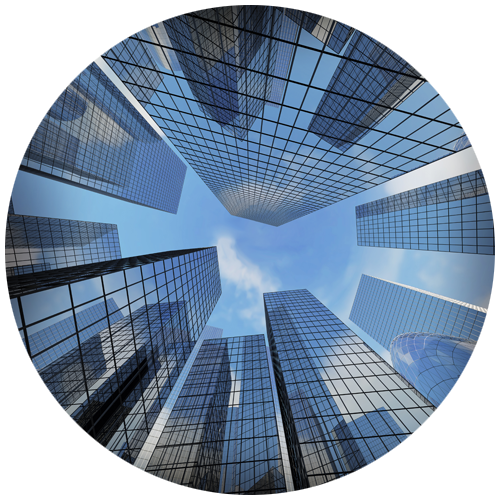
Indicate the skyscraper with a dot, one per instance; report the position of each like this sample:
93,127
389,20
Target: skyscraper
93,137
223,432
448,350
288,31
343,406
34,244
367,85
276,163
384,310
228,68
332,33
453,215
111,338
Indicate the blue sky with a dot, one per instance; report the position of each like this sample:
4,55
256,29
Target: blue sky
317,252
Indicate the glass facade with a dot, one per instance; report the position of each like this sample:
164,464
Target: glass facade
332,33
343,406
110,339
365,88
222,433
384,310
225,65
450,372
453,215
54,341
93,137
281,112
34,244
448,350
11,207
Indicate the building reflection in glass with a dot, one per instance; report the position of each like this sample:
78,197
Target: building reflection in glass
222,433
343,406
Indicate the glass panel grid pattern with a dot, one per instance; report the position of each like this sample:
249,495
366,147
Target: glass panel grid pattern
430,362
35,244
342,404
51,343
384,310
93,137
274,163
111,342
222,433
209,332
453,215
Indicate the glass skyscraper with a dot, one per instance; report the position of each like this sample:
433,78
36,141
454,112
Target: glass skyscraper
384,310
223,432
332,33
110,339
281,112
448,350
343,406
224,64
34,244
453,215
93,137
367,85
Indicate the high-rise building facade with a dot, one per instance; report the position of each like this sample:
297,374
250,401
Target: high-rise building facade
384,310
333,34
111,338
34,244
223,430
343,406
206,77
367,85
288,31
92,137
228,69
453,215
448,350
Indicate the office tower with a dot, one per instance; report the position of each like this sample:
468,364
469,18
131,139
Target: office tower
223,431
448,350
215,56
288,31
332,33
227,56
111,338
93,137
279,162
145,72
384,310
34,244
343,406
367,85
90,320
453,215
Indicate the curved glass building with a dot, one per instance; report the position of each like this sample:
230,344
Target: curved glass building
449,372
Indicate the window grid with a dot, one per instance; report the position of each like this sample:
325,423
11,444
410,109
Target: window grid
453,215
222,433
344,405
273,163
384,310
93,137
111,338
35,244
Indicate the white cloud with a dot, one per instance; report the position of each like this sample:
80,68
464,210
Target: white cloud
246,277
